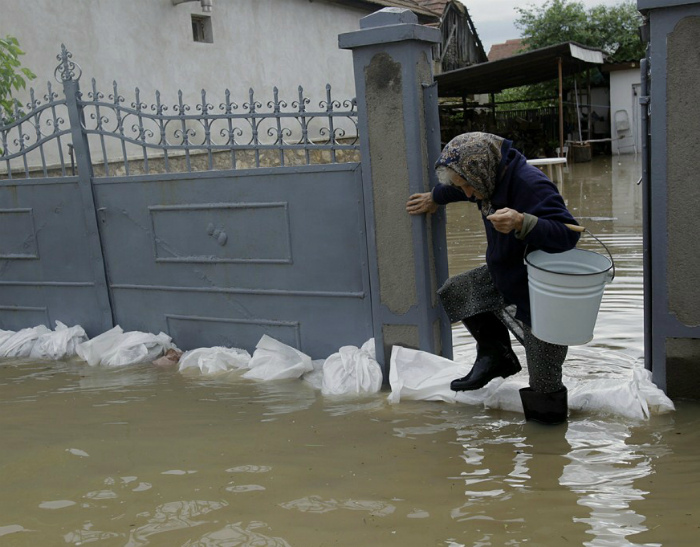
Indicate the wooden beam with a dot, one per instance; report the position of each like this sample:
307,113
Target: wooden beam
561,108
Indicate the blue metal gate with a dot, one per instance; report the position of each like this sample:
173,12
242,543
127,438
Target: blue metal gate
215,227
222,258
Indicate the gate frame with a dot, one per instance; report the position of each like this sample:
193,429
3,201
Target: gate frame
81,151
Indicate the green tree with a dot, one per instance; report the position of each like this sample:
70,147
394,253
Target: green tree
614,29
554,22
13,76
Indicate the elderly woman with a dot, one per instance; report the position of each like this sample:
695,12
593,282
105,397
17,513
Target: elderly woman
521,208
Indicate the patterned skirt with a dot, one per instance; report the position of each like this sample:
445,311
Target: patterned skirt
474,292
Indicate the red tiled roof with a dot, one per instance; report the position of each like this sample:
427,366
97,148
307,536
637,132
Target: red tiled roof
506,49
436,6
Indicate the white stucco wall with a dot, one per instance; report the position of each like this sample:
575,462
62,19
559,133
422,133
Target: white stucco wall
148,44
623,86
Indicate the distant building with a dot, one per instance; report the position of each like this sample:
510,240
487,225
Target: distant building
505,49
460,46
624,120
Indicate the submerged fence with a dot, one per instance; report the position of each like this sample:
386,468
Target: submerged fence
126,138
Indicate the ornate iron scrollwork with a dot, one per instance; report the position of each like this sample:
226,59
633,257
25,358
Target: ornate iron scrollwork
67,69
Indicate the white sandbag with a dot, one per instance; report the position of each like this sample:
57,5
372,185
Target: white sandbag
418,375
5,335
501,393
20,343
607,395
657,401
93,350
633,397
351,371
60,343
315,377
215,360
421,376
116,348
371,348
273,360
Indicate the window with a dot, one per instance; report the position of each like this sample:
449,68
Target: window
201,29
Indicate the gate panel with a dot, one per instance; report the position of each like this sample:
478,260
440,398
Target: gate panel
222,258
47,269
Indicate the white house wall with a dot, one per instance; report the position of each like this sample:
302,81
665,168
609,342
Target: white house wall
148,44
623,84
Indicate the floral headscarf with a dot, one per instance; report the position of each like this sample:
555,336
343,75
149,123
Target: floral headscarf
475,157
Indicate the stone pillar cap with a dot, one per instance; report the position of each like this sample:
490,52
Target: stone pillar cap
386,26
389,16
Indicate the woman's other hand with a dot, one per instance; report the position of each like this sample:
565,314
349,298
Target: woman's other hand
418,204
506,220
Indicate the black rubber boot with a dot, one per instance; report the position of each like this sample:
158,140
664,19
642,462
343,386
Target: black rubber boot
494,355
545,408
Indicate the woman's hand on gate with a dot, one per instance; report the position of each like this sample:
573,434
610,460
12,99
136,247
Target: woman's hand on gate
506,220
418,204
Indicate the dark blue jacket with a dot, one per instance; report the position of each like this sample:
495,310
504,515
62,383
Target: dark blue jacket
526,189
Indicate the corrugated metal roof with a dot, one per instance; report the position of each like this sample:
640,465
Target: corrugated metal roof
532,67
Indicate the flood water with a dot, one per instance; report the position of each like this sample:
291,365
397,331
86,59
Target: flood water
148,456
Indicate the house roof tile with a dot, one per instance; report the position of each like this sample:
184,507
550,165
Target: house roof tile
505,49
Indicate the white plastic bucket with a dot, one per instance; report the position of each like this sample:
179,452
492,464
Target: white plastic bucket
565,293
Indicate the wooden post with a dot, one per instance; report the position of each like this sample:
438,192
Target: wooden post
561,108
590,105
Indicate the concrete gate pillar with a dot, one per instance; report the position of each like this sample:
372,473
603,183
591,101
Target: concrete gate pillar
671,138
400,141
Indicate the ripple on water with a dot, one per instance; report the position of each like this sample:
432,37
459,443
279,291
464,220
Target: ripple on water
238,488
249,469
176,515
316,504
236,534
56,504
12,529
179,472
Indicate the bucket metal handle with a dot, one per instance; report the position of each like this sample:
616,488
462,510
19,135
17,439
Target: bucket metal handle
582,229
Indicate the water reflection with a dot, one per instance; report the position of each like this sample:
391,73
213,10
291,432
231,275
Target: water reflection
510,473
602,472
284,397
236,535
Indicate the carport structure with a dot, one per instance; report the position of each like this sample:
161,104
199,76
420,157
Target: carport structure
528,68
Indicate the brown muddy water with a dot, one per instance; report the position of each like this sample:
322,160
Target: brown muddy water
145,456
